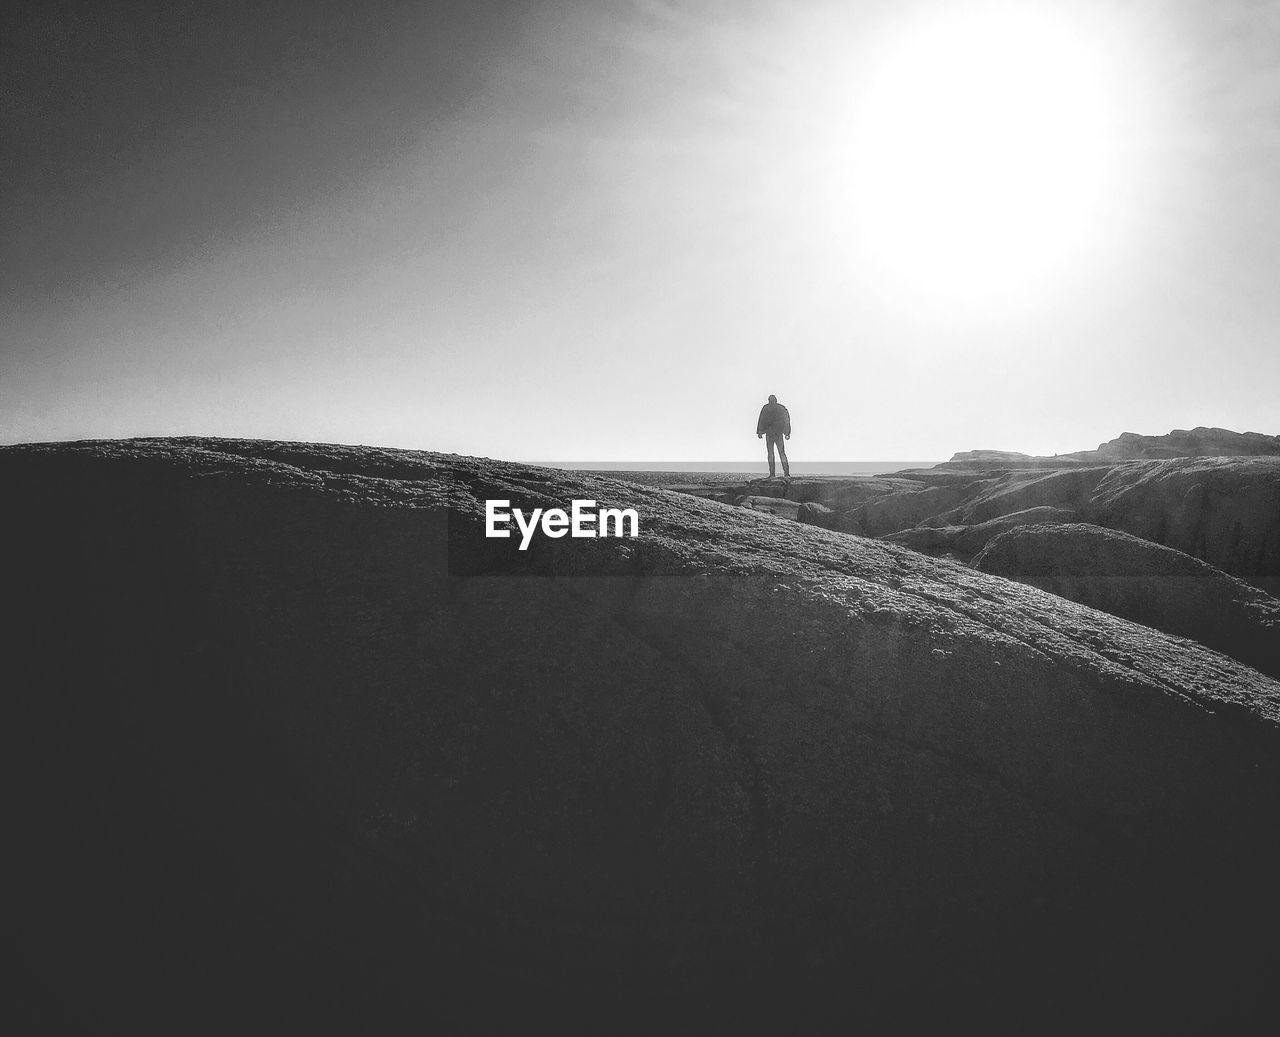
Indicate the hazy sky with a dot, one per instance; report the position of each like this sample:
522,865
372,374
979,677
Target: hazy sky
608,229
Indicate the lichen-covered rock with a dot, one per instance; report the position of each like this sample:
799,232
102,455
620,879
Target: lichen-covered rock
1145,582
298,744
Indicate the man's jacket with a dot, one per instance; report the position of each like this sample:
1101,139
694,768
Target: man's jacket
774,417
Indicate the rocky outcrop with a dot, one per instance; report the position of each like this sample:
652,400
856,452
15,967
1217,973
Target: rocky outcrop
840,493
901,510
963,542
1198,442
1225,511
1144,582
299,745
813,514
1131,446
779,506
1070,488
989,455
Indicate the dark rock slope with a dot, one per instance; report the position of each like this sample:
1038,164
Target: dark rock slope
297,746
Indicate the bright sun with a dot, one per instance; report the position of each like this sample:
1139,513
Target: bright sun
983,155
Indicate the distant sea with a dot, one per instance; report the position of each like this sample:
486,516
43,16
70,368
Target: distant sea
744,467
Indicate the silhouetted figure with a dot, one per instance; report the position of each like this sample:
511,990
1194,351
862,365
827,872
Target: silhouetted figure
773,427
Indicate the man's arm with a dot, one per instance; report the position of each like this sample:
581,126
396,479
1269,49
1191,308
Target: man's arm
787,415
760,421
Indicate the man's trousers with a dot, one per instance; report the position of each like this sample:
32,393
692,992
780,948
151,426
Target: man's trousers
776,439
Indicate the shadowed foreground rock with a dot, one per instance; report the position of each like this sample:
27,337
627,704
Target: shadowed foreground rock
297,746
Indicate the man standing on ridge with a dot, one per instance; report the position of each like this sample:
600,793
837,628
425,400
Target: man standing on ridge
773,427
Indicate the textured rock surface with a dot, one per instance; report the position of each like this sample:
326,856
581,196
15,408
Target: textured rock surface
963,542
1142,581
299,746
814,514
778,506
834,491
1225,511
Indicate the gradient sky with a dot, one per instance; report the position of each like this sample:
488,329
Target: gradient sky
607,229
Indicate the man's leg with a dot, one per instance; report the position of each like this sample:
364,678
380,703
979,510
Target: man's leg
786,465
768,442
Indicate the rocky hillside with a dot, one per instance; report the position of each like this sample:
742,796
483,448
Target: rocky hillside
1223,510
298,746
1130,446
1218,517
1142,581
1197,442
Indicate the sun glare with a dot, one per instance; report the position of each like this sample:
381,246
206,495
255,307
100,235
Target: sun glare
983,159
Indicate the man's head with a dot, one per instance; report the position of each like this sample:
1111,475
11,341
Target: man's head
773,399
